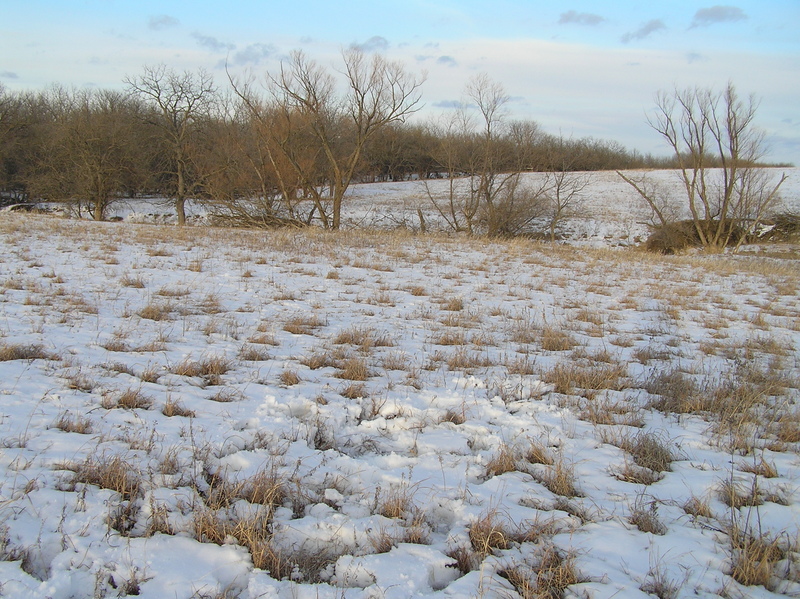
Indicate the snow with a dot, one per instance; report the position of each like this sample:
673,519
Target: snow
382,479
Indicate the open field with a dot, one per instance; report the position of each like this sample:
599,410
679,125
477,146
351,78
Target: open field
205,412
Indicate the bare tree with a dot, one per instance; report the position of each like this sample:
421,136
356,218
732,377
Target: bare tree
180,101
563,185
89,157
490,154
717,149
316,124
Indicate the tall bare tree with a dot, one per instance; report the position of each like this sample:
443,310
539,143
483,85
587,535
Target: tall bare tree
315,123
717,149
180,102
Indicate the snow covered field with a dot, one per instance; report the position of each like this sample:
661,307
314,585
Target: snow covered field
205,412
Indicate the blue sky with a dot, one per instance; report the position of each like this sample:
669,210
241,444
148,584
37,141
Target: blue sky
578,68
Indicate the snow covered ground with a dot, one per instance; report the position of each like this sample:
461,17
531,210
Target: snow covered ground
205,412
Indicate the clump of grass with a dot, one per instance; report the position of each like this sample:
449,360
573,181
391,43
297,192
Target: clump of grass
454,416
304,324
755,557
157,311
251,353
21,351
645,517
560,479
130,399
505,460
111,472
736,496
354,369
548,576
70,423
174,407
289,377
210,368
226,395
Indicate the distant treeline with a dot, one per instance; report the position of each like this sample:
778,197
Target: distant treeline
178,135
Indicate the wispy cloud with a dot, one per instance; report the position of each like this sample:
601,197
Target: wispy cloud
449,104
9,75
253,54
579,18
159,22
717,14
644,31
447,61
374,44
212,43
693,57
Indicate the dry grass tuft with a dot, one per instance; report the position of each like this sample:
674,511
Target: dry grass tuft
560,479
755,557
130,399
304,324
70,423
157,311
644,516
109,472
173,407
735,495
505,460
354,369
20,351
488,534
548,576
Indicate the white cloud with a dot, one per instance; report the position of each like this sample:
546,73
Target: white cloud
374,44
212,43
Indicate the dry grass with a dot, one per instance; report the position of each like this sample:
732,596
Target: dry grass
174,407
547,576
20,351
112,472
304,324
157,311
73,423
504,460
560,479
756,558
354,369
644,516
130,399
569,378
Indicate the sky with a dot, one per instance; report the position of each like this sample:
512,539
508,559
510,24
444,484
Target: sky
578,68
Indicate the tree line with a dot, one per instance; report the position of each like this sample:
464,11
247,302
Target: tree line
282,150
